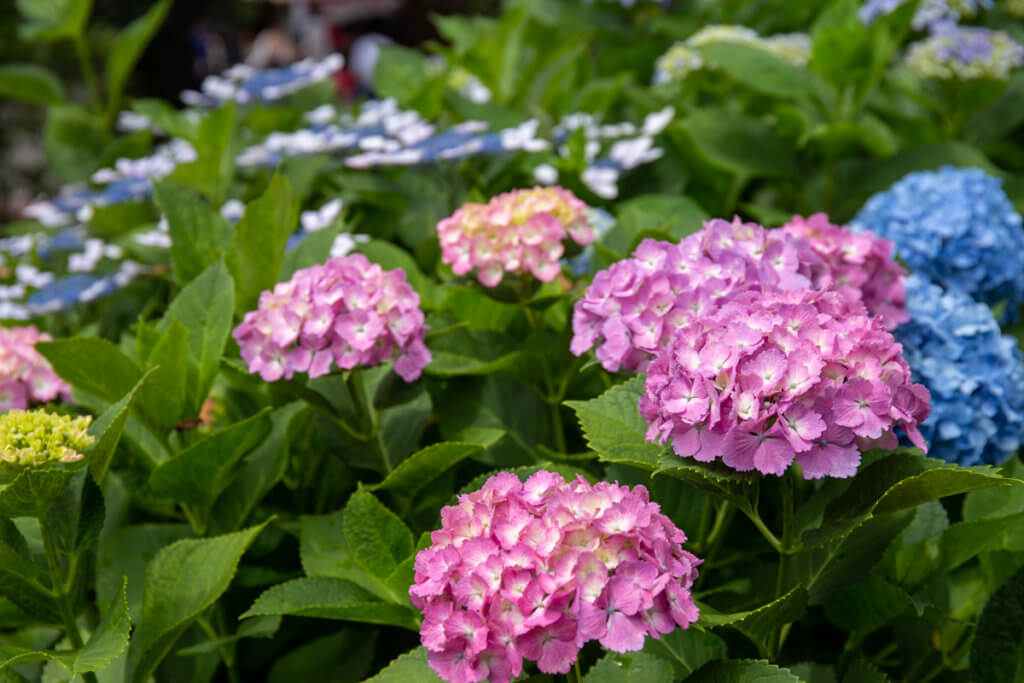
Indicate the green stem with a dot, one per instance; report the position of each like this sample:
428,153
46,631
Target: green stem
765,531
85,61
782,577
61,594
225,653
372,435
556,424
723,515
576,667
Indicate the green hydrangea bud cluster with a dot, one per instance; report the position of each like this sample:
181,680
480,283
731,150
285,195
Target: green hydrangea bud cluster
34,438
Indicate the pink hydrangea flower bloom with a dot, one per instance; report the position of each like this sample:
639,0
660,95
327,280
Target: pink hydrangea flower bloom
815,381
636,306
535,570
515,232
860,265
25,376
347,312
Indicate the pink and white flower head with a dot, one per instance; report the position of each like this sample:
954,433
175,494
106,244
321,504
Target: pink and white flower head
25,376
346,313
639,304
515,232
772,376
534,570
860,265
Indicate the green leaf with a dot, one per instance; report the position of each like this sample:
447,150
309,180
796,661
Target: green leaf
965,540
311,250
861,179
742,671
997,653
260,238
421,468
109,640
939,482
861,671
325,552
997,502
75,141
900,481
30,83
741,144
182,581
33,491
125,553
342,657
214,166
261,470
761,623
257,627
632,667
614,428
329,598
199,235
167,118
378,540
687,649
205,307
463,352
22,581
999,118
412,666
844,560
107,429
50,20
128,46
202,471
93,365
399,73
76,518
162,397
478,310
759,69
868,606
672,215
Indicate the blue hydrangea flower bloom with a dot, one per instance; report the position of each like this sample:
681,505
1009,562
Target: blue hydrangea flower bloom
974,373
957,228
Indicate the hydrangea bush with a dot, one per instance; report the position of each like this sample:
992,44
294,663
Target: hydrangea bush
766,376
955,227
640,304
426,385
515,232
974,374
536,569
345,313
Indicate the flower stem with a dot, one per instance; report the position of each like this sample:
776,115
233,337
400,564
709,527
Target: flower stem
556,424
85,61
576,667
782,577
365,415
765,531
225,654
61,594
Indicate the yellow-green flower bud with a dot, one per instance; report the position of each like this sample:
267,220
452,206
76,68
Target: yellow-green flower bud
35,438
